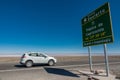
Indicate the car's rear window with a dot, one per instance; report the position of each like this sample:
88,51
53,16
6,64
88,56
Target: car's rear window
23,55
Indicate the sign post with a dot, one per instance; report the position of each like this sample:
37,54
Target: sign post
106,60
90,58
96,30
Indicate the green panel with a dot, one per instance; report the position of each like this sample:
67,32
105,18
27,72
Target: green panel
96,27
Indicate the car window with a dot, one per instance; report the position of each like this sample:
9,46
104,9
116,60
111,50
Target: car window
33,54
41,55
23,55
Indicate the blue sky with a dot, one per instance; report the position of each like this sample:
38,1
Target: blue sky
50,26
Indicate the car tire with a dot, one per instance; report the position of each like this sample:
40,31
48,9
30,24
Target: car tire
51,63
29,64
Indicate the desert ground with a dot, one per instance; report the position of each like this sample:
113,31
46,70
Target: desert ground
72,60
67,59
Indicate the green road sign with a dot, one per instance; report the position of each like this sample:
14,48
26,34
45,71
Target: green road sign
97,27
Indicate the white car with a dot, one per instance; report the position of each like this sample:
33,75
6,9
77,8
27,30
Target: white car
28,59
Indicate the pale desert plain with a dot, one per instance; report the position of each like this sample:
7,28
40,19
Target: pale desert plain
73,60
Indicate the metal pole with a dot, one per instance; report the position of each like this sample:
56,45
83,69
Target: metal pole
90,58
106,60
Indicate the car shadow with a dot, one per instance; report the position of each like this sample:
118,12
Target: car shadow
59,71
19,66
36,65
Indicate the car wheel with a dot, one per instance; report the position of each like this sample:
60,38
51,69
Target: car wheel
29,64
51,63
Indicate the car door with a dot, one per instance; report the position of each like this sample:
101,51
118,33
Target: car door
34,57
42,58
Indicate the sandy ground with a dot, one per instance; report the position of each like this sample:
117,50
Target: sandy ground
115,69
